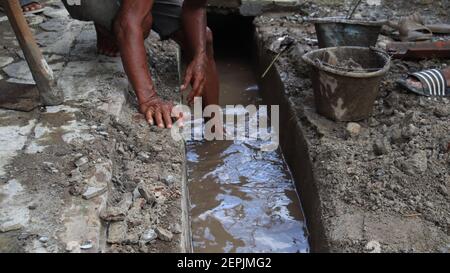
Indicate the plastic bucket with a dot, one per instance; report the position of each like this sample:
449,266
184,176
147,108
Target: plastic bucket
332,32
343,92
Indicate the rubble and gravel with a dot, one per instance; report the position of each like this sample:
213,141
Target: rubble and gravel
385,179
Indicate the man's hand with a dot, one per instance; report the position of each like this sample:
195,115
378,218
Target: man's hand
157,112
196,77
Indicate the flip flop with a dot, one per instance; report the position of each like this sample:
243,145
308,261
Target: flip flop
434,83
435,28
439,28
411,31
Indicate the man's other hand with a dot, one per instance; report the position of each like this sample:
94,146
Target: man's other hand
157,112
196,77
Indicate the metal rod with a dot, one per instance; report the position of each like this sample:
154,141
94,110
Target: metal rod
354,9
275,59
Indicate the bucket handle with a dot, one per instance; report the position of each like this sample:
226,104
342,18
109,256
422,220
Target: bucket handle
322,65
381,52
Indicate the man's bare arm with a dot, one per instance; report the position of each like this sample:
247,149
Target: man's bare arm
132,25
194,26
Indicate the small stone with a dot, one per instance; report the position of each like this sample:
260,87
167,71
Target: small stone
420,161
121,149
157,148
119,212
113,214
117,232
75,176
169,180
73,246
136,194
149,236
82,161
373,122
393,100
23,236
443,190
395,134
143,156
373,247
409,132
10,227
381,147
442,111
34,20
147,194
86,245
50,167
164,234
76,190
93,192
354,129
177,229
43,239
32,207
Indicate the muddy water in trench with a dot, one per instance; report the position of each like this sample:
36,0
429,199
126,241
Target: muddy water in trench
242,199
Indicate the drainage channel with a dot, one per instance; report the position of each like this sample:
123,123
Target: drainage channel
242,199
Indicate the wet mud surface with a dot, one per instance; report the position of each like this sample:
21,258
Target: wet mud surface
242,199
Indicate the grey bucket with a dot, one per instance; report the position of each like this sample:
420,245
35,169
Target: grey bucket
332,32
347,95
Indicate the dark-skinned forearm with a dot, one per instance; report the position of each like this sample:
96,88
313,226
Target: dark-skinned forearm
194,25
130,37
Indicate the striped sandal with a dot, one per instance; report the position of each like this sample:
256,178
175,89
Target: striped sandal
434,83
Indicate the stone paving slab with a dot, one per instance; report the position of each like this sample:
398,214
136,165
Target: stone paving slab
47,202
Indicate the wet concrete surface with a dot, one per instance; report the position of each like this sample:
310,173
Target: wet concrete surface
242,199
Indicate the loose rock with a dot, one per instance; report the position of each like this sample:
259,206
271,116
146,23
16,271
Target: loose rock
43,239
147,194
164,234
117,232
72,246
10,227
93,192
86,245
373,247
354,129
119,212
82,161
149,236
381,147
